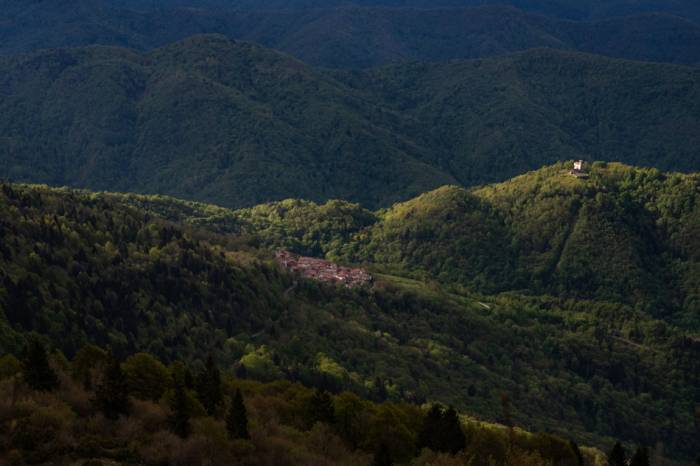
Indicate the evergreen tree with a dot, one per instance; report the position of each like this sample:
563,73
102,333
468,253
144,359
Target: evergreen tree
320,408
380,393
37,372
241,371
451,431
209,387
617,456
112,394
442,431
640,458
237,418
577,452
428,437
189,379
382,456
181,411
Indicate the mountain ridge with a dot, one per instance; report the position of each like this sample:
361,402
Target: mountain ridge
624,235
359,36
237,124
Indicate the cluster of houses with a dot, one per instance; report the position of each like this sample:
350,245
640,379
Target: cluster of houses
322,270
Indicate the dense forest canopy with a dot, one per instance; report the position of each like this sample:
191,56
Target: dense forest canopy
622,234
236,124
516,312
96,410
117,270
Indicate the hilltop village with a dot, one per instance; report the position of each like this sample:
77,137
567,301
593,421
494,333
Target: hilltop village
322,270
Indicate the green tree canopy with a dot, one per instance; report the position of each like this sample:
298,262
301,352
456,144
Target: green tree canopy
147,377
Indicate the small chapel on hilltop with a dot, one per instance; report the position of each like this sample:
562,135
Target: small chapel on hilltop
579,170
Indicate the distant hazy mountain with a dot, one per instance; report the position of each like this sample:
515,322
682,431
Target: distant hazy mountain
238,124
352,37
572,9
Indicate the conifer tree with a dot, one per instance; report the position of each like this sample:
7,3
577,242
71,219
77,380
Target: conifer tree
382,456
209,387
380,393
428,437
181,412
37,372
237,418
577,452
451,430
241,371
442,431
320,408
188,378
617,456
112,393
640,458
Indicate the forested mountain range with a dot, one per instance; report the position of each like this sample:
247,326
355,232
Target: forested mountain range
583,9
420,140
354,36
111,270
237,124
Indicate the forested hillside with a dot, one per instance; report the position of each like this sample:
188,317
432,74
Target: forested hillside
624,234
205,118
350,232
236,124
500,117
353,36
95,410
85,268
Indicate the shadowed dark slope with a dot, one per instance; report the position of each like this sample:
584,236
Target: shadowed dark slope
352,37
237,124
205,118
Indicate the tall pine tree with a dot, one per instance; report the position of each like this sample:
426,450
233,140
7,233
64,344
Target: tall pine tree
112,394
237,418
442,431
382,456
617,456
320,408
452,434
181,412
577,452
209,387
640,458
37,372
